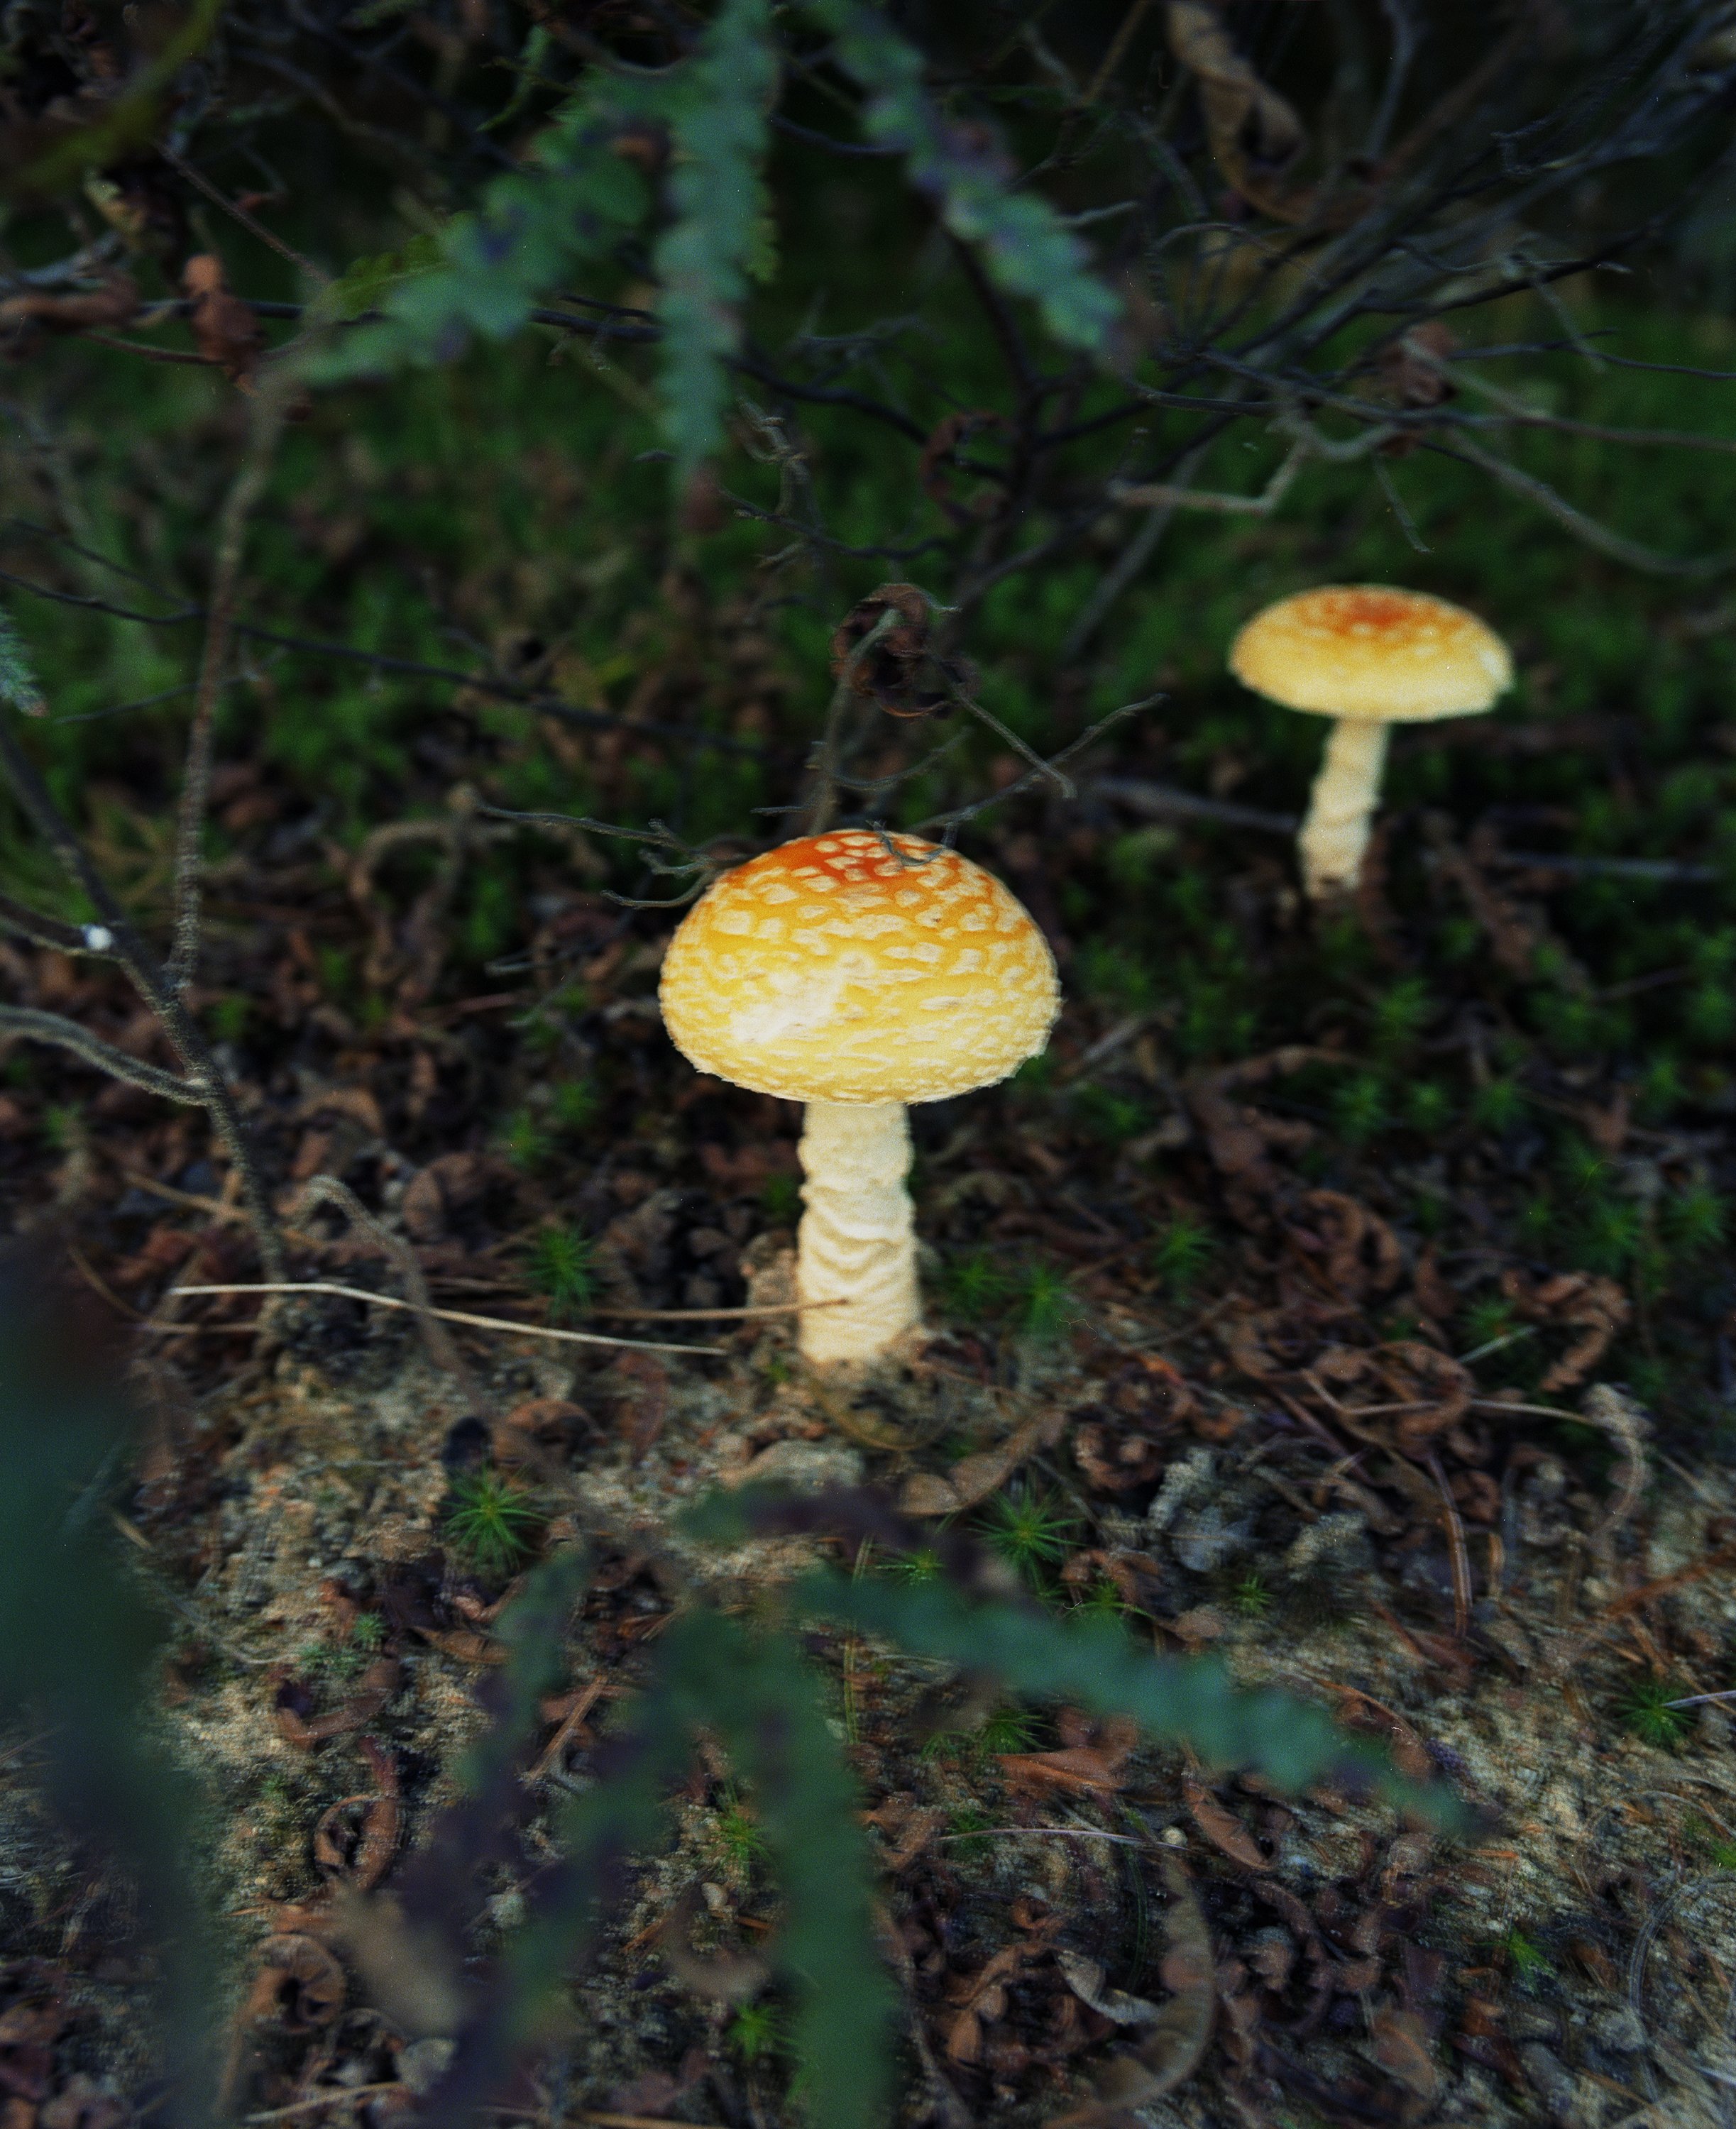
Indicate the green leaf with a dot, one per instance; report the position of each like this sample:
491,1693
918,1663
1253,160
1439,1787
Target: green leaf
756,1691
1090,1661
572,201
753,1690
365,283
18,683
717,238
1026,245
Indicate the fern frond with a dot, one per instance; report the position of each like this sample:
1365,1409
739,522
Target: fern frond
1091,1662
757,1693
576,198
1026,245
18,683
716,189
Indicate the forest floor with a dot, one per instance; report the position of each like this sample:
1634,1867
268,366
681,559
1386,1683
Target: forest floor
1345,1294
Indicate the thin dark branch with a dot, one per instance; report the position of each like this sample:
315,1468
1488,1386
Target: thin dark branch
50,931
149,980
20,1019
414,667
442,1348
238,213
270,411
814,140
1165,801
1615,545
949,822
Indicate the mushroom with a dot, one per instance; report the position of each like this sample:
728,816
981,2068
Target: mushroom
1369,657
858,972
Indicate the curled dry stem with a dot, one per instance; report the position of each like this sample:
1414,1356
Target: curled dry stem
204,1082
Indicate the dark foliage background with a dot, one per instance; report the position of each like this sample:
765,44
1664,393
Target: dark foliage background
421,417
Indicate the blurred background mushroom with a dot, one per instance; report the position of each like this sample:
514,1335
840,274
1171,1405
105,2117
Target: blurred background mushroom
1369,657
858,972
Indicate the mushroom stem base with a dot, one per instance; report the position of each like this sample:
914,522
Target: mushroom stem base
857,1243
1341,811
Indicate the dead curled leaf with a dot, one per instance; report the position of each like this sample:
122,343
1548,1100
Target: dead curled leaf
1256,136
1401,2047
1350,1247
356,1837
982,1998
1413,1392
1222,1827
299,1986
899,669
1118,1441
114,303
1093,1767
224,328
1583,1301
1179,2033
973,1478
374,1689
1086,1979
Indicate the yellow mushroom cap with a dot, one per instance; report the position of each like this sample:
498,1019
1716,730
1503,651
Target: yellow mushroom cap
836,969
1369,651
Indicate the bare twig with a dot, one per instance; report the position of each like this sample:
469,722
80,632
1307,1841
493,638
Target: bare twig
270,411
53,1027
949,822
442,1348
1602,537
50,931
1166,802
451,1315
148,979
828,756
237,212
1460,1557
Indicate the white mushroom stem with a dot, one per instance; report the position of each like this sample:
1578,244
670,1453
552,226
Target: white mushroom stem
857,1243
1341,811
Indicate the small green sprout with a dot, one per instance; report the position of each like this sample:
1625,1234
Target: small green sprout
491,1523
780,1198
973,1286
1498,1105
739,1836
922,1566
61,1126
1048,1307
1104,1600
1180,1251
1647,1713
1111,1116
574,1108
1031,1530
558,1265
230,1015
1527,1960
523,1140
1696,1220
968,1829
1428,1106
1401,1013
756,2032
1359,1108
369,1632
1010,1728
1251,1598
